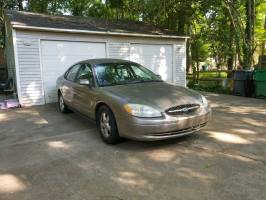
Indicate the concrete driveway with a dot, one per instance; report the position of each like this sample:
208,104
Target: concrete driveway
47,155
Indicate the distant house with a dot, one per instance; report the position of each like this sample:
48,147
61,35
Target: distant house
40,48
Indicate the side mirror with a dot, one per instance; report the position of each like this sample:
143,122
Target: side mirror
159,76
84,82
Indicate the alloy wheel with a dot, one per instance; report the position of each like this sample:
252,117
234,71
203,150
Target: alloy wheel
61,103
105,125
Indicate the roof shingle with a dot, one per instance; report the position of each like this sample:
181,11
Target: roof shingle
29,19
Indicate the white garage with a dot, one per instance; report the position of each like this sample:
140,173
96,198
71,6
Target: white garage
42,47
157,57
58,56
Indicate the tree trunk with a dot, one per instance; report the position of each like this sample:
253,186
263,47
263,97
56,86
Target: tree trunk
238,30
249,33
54,6
2,7
230,59
122,12
188,56
20,4
181,24
263,43
188,49
198,70
194,73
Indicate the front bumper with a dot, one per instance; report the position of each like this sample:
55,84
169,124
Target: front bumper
158,129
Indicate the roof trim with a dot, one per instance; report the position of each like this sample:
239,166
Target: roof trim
96,32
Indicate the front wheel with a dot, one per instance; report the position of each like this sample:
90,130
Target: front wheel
107,126
61,104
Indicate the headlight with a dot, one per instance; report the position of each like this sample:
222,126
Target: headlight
204,101
142,111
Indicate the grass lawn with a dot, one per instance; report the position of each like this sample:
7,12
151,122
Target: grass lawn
207,74
210,86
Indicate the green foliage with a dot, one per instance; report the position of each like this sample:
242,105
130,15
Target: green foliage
260,30
224,30
78,7
199,50
260,27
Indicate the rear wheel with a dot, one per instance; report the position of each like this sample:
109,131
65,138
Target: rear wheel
61,104
107,126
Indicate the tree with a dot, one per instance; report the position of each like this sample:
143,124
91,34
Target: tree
248,48
260,27
227,29
7,4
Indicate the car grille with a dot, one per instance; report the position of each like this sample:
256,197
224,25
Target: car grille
182,109
186,130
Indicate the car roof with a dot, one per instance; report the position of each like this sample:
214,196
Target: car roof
105,60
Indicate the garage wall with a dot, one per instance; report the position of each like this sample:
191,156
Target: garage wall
30,81
29,61
180,63
156,57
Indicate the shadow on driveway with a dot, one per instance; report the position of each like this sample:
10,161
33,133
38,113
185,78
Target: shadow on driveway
47,155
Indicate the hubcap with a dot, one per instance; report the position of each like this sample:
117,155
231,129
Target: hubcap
61,103
105,124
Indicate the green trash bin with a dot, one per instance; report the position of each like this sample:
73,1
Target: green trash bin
260,83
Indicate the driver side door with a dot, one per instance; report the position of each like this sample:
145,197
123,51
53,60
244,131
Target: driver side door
84,94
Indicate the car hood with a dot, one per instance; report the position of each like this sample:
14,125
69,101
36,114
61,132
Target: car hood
159,95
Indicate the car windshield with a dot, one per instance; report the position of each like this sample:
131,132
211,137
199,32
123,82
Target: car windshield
108,74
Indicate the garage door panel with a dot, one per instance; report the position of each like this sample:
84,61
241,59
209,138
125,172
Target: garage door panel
68,48
157,58
58,56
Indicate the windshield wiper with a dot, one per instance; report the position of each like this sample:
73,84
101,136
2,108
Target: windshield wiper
130,82
121,83
143,81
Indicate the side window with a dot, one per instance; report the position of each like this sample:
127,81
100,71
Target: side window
72,73
85,73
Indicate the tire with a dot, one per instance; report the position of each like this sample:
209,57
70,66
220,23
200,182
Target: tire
61,104
107,126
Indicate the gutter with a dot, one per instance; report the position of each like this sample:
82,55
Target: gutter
97,32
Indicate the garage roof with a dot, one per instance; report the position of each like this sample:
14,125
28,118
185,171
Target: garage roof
36,21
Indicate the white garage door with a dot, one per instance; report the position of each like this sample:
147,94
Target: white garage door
58,56
157,58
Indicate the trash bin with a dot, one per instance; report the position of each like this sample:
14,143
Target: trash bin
243,83
260,83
